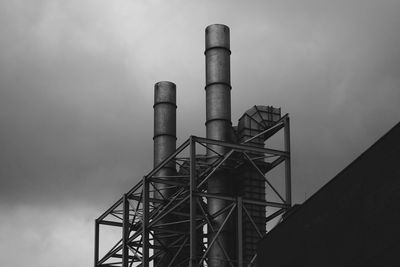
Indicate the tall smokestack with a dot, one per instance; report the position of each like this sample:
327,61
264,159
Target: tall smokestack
219,127
164,124
218,83
164,145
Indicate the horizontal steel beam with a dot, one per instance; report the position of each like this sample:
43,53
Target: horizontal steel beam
120,256
241,147
245,201
266,203
111,223
168,182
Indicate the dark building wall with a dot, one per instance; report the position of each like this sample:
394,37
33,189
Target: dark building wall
354,220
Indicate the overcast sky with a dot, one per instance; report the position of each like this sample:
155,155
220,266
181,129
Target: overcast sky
76,96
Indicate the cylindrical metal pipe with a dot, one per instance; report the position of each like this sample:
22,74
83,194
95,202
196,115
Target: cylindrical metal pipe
219,127
218,84
164,122
164,145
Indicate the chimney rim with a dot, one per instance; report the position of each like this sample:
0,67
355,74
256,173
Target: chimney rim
165,82
217,25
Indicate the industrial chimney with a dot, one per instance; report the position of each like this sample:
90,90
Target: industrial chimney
164,130
219,127
164,145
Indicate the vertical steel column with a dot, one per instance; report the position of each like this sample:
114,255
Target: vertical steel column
193,201
240,230
125,231
288,178
96,242
219,127
145,223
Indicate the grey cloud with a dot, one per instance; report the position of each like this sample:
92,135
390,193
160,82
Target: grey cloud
77,90
68,114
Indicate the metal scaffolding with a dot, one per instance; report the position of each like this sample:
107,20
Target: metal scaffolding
139,214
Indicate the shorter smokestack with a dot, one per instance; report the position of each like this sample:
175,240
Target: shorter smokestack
164,121
164,145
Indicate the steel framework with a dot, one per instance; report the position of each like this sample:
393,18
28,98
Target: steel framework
139,214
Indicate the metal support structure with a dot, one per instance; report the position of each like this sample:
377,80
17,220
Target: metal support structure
288,171
240,230
193,203
141,217
96,242
145,222
125,232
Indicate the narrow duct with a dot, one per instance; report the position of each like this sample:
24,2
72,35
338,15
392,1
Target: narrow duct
219,127
164,145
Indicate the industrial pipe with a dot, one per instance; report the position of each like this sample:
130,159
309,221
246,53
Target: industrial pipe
218,84
219,127
164,124
164,145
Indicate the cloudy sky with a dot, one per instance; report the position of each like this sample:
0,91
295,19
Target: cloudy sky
76,95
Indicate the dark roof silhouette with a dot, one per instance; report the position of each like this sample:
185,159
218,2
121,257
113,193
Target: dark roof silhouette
353,220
